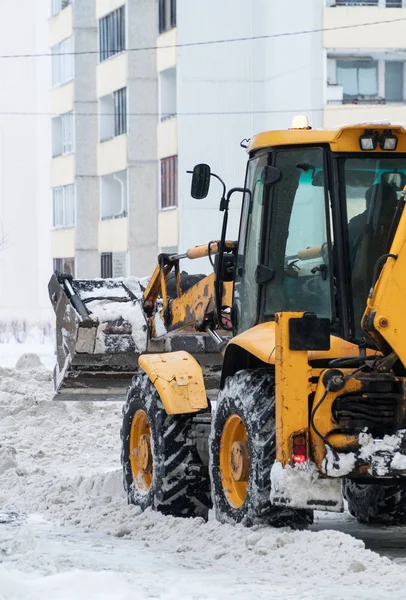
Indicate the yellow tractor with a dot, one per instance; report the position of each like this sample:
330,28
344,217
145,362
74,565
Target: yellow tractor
275,385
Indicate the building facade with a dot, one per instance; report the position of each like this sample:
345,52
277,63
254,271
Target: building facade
171,83
366,61
25,206
104,165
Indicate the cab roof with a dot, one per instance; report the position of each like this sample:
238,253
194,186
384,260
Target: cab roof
343,139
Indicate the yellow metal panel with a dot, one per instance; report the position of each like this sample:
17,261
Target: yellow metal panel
324,422
345,139
260,342
178,379
292,377
191,308
388,300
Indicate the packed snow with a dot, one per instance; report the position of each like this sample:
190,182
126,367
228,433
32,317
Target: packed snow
66,531
381,456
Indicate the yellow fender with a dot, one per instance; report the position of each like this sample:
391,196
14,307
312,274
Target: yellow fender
178,379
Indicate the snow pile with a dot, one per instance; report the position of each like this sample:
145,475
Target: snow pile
62,461
112,302
131,312
382,456
38,341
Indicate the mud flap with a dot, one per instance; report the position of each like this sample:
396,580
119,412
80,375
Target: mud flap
302,487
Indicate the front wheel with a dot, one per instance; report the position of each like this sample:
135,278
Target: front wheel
161,466
242,452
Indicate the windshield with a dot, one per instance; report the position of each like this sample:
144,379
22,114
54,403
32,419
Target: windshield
372,186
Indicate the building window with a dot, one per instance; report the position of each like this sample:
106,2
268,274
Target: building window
114,195
113,115
106,265
359,79
113,264
167,15
65,265
58,5
167,93
112,34
62,134
64,206
169,182
63,62
394,70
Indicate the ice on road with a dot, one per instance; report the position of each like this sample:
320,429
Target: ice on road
67,533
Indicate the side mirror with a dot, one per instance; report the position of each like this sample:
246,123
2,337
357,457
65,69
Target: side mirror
396,180
200,181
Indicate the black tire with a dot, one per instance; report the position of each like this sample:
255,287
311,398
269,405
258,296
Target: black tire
376,504
251,396
180,482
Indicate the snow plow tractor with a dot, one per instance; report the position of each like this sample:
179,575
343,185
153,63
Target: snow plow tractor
276,384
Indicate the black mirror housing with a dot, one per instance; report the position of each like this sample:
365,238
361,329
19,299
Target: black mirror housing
200,181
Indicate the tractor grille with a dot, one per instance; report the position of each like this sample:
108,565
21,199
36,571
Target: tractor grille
379,408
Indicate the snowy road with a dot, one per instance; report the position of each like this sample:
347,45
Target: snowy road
387,541
75,537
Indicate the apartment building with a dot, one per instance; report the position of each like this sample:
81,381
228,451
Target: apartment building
214,73
104,166
366,61
25,207
212,96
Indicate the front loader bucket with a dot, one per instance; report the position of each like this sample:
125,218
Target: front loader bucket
101,330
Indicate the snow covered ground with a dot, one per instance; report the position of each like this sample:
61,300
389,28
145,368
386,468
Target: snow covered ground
67,533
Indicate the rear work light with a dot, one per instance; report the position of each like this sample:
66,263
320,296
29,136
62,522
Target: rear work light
299,449
388,141
369,141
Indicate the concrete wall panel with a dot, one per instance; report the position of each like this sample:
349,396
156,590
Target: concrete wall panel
112,155
61,26
113,235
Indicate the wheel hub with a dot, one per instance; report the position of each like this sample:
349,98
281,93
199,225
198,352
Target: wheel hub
239,461
234,461
144,453
141,458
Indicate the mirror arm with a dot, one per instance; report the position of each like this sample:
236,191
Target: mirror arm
224,188
224,204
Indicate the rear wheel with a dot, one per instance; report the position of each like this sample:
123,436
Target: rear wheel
161,465
376,504
242,452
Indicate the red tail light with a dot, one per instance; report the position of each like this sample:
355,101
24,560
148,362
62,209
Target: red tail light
299,449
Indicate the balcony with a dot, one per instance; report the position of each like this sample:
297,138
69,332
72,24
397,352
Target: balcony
335,95
336,115
61,24
369,21
366,3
